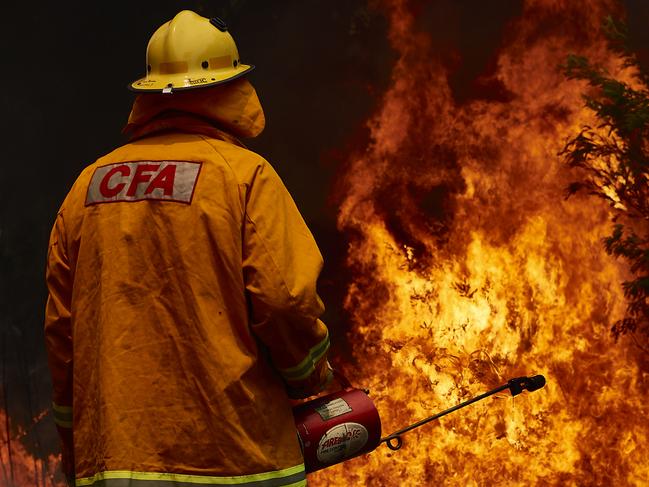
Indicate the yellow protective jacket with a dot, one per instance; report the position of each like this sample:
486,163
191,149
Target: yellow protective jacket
182,304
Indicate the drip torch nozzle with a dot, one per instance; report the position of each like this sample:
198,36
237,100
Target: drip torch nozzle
519,384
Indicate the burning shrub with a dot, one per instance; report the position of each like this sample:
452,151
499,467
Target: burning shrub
614,159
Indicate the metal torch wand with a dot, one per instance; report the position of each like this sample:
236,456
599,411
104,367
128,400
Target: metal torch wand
515,386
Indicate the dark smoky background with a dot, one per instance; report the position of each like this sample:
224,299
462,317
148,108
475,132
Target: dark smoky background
321,67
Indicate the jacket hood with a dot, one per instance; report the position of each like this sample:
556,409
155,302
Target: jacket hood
232,107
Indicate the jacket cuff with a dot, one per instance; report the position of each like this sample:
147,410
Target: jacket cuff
306,368
314,384
62,415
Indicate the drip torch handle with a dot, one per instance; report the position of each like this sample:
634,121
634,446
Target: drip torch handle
342,380
515,386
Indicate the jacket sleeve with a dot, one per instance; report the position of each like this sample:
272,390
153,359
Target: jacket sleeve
281,264
58,338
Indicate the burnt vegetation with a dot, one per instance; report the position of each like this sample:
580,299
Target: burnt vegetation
612,161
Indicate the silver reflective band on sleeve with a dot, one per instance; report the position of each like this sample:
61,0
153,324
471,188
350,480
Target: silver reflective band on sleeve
289,477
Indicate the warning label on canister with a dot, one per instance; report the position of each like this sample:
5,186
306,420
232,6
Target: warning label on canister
341,441
332,409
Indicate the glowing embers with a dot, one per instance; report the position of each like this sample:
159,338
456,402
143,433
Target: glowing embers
21,467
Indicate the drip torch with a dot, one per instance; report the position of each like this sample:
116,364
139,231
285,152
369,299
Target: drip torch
345,424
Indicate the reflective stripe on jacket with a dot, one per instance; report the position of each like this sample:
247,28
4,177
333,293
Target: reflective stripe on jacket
290,477
182,304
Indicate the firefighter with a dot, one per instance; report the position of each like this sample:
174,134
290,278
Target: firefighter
182,310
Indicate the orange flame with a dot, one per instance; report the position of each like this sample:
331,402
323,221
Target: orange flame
471,268
19,467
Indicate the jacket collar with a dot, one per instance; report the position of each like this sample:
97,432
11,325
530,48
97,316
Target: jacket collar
226,111
179,122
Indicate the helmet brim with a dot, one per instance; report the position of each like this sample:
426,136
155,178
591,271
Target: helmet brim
173,83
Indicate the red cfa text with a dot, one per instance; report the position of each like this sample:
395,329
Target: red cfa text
142,180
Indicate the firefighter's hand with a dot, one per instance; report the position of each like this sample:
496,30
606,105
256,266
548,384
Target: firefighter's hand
67,465
67,453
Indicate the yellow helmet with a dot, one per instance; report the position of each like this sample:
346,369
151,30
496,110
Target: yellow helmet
189,52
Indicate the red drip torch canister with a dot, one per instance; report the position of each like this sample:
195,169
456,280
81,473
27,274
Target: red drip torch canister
337,427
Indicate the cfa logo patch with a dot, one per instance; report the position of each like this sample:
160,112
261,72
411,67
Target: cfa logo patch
144,180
